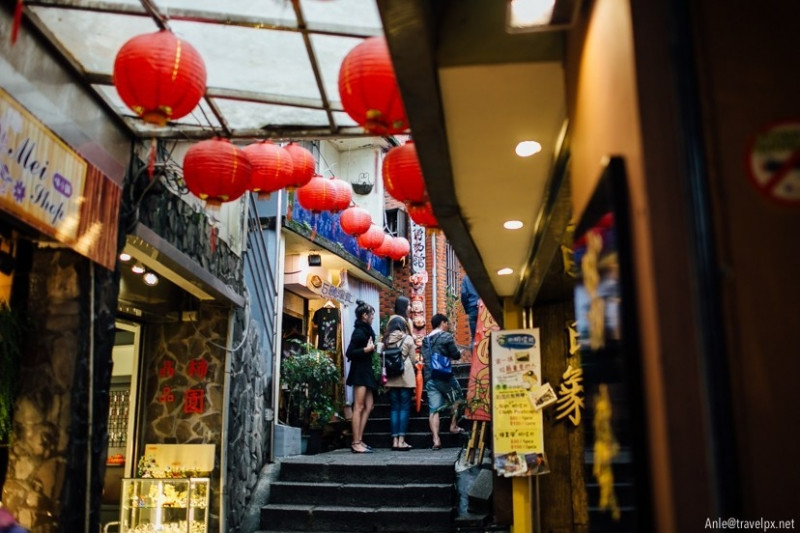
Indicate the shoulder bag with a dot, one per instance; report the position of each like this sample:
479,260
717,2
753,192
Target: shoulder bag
441,367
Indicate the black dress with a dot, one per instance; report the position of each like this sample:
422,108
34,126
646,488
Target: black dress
361,373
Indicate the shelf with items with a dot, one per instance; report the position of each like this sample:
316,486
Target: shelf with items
164,505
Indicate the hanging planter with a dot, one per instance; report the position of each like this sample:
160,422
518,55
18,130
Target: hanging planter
216,171
159,76
364,184
368,88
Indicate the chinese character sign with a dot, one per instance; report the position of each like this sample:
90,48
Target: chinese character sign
517,424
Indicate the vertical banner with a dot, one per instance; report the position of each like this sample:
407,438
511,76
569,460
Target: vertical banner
417,248
478,388
517,423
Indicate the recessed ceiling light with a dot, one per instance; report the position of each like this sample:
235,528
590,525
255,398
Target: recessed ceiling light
150,279
513,224
124,257
137,268
505,271
530,13
528,148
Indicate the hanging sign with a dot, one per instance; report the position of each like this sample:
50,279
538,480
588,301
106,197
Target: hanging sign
516,415
417,248
329,290
41,178
773,161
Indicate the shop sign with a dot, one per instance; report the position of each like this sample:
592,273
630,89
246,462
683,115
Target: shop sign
41,178
417,248
518,396
773,162
329,290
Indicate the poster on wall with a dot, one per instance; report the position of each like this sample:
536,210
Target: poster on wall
516,415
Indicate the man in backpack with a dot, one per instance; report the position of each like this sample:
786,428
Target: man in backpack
442,393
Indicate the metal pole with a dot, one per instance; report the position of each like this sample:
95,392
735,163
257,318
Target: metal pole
277,322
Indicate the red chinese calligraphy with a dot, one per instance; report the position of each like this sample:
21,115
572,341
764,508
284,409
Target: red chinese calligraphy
167,369
194,401
197,368
166,395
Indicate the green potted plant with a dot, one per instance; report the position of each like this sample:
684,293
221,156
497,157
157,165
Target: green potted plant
309,376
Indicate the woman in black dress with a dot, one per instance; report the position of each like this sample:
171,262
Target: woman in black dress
361,376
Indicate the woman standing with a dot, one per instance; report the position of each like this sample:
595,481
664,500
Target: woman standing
400,387
361,376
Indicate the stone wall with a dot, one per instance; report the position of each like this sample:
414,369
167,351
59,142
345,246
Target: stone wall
46,484
181,357
248,430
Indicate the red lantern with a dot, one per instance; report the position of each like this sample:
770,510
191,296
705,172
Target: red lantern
317,195
344,194
272,167
368,88
402,175
400,248
216,171
386,247
422,214
159,76
303,161
355,220
372,238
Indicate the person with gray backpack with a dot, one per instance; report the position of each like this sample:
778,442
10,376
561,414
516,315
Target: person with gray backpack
398,360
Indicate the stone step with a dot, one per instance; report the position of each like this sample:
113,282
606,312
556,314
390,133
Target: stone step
415,424
362,494
380,467
419,440
281,517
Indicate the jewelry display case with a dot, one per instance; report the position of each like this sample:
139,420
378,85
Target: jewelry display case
169,505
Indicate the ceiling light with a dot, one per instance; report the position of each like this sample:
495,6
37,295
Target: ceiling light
529,13
137,268
124,257
505,271
513,224
150,279
528,148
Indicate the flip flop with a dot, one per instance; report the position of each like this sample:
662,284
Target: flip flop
435,447
459,431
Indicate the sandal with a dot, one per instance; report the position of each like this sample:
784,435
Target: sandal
459,430
366,449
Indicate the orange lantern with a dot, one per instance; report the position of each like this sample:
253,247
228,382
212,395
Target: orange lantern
422,214
304,164
372,238
317,195
400,248
159,76
272,167
355,220
402,175
368,88
216,171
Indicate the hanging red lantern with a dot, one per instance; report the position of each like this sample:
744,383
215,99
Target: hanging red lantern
372,238
422,214
317,195
368,88
216,171
159,76
344,194
386,247
272,167
402,176
355,220
304,164
400,248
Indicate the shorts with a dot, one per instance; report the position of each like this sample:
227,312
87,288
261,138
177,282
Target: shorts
443,394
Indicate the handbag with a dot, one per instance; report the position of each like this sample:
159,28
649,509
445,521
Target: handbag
394,363
441,366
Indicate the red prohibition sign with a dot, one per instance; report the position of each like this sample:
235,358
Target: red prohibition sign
773,162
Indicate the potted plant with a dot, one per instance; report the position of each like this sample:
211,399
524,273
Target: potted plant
309,377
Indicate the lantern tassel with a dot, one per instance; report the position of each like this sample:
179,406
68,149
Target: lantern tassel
314,231
17,22
151,159
369,260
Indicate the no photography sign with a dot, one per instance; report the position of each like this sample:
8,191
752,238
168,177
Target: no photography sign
773,161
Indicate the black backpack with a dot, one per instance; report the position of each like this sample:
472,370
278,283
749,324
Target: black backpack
393,360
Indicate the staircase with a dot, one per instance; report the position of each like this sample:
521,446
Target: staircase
381,491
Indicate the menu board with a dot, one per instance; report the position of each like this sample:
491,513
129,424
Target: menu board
516,403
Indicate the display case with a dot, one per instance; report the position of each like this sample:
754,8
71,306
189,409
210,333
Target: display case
175,505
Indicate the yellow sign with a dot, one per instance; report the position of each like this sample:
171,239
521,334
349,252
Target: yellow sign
41,179
517,424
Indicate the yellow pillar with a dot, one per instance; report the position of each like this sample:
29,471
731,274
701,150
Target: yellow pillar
520,486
